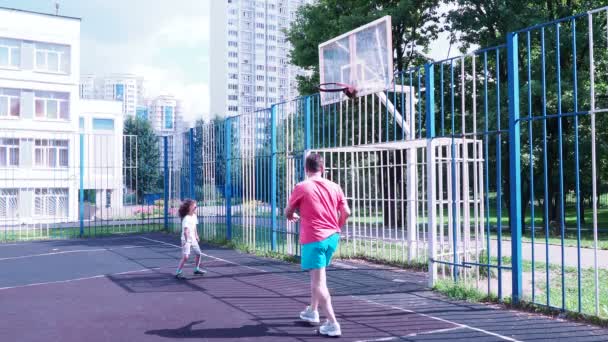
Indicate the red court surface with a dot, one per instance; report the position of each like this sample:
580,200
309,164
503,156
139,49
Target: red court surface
122,289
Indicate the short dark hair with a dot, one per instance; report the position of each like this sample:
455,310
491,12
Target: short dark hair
314,162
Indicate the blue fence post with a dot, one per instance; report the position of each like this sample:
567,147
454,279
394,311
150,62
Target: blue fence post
429,73
191,162
166,181
81,199
273,175
228,181
514,166
307,125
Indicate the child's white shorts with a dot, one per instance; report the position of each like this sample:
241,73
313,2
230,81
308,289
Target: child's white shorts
191,245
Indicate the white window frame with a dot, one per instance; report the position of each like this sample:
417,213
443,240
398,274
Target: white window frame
45,198
48,51
5,44
5,113
46,103
9,145
7,197
43,148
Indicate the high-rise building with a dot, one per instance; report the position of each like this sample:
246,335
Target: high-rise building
165,116
249,61
126,88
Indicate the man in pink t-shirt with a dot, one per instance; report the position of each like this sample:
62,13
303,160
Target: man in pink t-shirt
323,211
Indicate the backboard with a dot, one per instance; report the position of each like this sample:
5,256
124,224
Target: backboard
362,58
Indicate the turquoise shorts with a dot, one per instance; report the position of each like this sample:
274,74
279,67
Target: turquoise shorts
317,255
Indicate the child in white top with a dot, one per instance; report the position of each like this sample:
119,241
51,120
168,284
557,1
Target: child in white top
189,237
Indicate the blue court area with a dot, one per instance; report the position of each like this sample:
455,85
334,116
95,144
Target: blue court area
122,289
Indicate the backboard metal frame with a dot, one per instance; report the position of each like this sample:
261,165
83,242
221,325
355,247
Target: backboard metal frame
355,68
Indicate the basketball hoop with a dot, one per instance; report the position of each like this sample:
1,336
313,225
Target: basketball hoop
336,87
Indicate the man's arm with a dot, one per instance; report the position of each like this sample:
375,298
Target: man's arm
344,214
293,204
290,213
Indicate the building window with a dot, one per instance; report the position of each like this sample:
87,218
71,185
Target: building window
168,114
9,202
272,90
52,105
233,54
10,102
10,53
259,25
233,65
52,58
260,77
103,124
51,202
234,44
259,36
272,79
81,124
51,153
233,108
259,67
233,97
233,33
233,76
9,152
247,78
233,87
260,99
108,198
260,88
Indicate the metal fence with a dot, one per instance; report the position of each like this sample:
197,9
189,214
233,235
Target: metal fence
487,168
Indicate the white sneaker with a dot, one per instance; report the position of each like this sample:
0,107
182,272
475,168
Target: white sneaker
330,329
310,315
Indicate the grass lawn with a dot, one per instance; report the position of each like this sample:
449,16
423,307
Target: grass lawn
12,235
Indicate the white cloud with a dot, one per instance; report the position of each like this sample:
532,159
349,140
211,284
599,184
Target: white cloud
168,51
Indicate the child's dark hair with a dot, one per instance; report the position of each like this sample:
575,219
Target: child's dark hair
314,162
184,209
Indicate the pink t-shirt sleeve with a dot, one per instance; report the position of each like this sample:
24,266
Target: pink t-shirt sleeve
296,196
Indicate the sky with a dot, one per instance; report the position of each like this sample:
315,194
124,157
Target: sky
165,41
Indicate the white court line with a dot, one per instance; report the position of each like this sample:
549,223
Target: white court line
456,325
459,325
345,266
68,252
393,338
207,255
78,279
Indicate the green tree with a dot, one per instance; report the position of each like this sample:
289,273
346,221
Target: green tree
486,23
147,149
415,25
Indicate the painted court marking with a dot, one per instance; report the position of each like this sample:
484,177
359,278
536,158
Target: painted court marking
457,325
393,338
68,252
79,279
207,255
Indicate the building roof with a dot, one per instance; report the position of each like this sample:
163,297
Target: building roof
39,13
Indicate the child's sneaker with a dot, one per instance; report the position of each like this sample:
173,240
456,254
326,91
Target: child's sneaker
330,329
198,271
309,315
180,275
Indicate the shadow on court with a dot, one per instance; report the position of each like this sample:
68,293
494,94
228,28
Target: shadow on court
127,284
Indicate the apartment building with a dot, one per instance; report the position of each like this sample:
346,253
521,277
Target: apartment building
249,61
125,88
